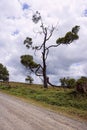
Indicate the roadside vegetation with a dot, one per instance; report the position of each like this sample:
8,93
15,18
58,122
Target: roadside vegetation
4,73
63,100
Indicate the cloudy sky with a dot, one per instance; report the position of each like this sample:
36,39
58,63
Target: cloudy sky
16,24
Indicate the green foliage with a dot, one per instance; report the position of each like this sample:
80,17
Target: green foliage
82,80
29,79
28,42
63,81
27,61
68,82
69,36
4,74
75,29
81,85
36,17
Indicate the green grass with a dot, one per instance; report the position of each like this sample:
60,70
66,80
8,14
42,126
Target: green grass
67,101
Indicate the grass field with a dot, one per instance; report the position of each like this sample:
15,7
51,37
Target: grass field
61,100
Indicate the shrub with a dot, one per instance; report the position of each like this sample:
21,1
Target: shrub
81,85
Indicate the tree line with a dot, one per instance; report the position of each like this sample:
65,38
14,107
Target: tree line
80,84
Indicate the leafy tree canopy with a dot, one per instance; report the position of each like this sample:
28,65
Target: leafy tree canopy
29,79
68,82
4,74
69,37
81,85
27,61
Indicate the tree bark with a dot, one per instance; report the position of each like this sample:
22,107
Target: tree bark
44,61
44,72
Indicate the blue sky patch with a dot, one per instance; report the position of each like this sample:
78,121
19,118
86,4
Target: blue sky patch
85,12
15,32
25,6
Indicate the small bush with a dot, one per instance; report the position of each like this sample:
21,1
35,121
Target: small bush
81,85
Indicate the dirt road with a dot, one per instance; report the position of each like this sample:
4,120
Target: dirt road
18,115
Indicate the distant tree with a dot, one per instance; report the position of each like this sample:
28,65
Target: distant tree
68,82
47,32
29,79
81,85
63,82
4,74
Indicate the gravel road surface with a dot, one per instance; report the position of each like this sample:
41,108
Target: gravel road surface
16,114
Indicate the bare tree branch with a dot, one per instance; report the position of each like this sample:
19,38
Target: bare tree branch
38,68
51,32
47,53
51,83
52,46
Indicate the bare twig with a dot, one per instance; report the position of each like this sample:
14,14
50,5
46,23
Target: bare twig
51,32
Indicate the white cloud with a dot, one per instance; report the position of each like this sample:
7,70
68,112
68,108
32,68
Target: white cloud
16,25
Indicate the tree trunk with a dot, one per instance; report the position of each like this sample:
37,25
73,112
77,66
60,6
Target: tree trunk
44,72
44,63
